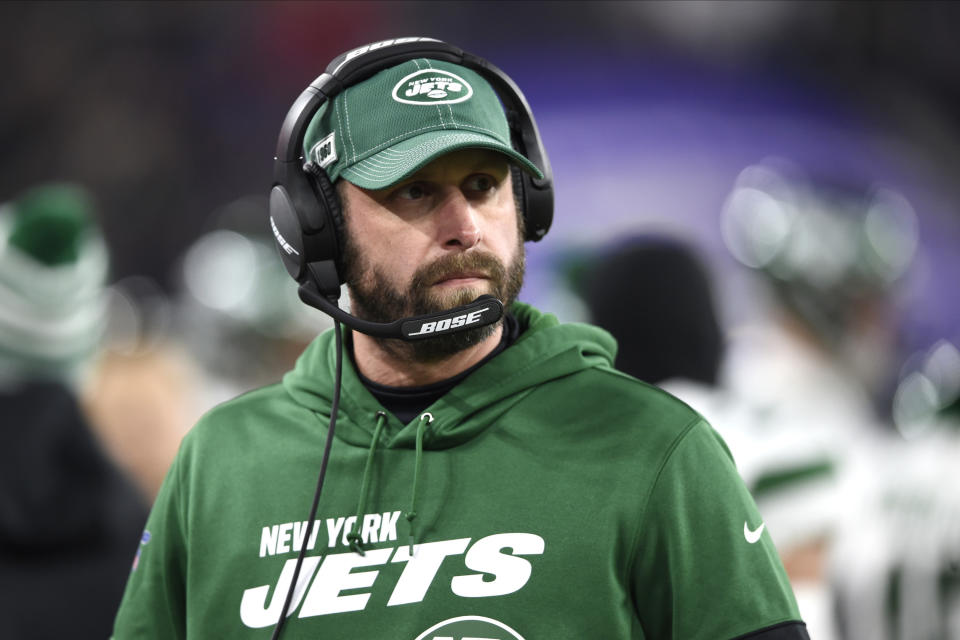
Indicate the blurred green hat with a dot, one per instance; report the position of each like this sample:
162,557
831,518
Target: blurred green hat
53,267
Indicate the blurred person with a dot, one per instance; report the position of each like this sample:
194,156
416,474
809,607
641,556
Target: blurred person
895,566
144,391
169,359
798,392
666,324
234,305
654,295
831,255
488,473
68,518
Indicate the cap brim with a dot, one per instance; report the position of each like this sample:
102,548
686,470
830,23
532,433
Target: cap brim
391,165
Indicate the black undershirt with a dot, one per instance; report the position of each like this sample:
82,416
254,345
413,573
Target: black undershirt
406,403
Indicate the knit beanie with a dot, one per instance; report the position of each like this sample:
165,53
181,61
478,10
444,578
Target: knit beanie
53,268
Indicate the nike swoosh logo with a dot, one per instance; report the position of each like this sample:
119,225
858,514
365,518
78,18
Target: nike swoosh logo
752,535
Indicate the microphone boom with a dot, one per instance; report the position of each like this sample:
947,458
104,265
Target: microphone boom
483,311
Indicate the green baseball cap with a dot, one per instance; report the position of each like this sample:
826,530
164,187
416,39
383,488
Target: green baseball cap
377,132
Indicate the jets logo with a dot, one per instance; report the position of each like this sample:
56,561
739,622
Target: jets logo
470,628
432,86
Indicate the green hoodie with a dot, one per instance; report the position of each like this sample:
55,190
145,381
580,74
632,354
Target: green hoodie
554,497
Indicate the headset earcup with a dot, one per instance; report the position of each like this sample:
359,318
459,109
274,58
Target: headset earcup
323,255
329,201
306,221
538,208
287,231
535,204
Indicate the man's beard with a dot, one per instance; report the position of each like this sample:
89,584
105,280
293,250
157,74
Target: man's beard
373,297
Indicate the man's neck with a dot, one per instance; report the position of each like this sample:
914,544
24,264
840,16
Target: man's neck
387,368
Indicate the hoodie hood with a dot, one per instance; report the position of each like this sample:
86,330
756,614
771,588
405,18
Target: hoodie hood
545,350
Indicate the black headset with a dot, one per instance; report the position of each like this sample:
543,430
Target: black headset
305,212
307,221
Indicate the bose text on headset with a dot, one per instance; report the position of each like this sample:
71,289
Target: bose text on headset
305,212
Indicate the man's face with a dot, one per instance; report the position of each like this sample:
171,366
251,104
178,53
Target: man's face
437,240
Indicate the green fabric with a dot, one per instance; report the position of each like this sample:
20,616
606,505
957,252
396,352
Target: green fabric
51,223
789,478
557,498
53,268
381,130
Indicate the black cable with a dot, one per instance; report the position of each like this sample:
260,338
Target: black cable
316,496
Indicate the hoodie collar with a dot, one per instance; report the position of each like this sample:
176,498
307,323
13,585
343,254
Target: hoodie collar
545,350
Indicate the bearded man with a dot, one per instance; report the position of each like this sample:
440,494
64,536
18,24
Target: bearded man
483,474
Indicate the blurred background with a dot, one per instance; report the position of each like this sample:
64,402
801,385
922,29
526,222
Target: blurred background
757,197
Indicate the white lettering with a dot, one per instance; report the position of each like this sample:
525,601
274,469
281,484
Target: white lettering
268,541
299,533
283,540
421,569
281,240
416,89
353,54
376,45
331,584
333,530
276,539
388,526
446,323
427,327
347,528
371,523
334,576
510,572
313,535
253,610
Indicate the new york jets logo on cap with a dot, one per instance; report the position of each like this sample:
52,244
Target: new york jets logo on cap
432,86
472,627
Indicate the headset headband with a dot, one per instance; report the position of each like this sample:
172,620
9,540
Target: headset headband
305,212
359,64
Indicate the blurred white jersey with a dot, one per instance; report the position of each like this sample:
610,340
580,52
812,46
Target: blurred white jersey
895,564
792,419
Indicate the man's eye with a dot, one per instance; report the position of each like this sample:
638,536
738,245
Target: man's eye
413,191
480,182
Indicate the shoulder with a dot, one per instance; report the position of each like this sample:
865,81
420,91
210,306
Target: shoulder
627,427
243,422
621,400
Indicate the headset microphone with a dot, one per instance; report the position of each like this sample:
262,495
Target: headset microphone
306,215
483,311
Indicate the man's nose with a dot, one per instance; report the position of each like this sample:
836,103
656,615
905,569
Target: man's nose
458,225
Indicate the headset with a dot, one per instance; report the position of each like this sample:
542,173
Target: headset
306,215
307,221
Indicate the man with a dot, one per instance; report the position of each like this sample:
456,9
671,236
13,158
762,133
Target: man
69,518
498,482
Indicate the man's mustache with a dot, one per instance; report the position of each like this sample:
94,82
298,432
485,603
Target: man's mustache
459,263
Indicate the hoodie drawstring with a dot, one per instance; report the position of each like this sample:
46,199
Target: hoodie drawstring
425,419
354,538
